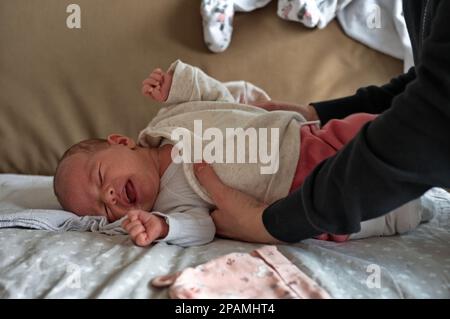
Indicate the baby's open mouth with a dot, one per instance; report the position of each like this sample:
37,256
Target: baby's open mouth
130,192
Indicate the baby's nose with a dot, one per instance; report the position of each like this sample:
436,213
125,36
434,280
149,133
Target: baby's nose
110,195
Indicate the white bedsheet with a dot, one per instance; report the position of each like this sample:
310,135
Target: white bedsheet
45,264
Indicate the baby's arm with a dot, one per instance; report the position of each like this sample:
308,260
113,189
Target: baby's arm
144,227
192,227
184,83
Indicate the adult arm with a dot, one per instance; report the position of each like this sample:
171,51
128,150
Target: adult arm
371,99
393,159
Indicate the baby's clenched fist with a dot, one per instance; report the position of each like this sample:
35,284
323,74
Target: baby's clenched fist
144,227
157,85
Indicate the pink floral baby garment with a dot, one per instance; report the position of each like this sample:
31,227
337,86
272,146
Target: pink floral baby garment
263,274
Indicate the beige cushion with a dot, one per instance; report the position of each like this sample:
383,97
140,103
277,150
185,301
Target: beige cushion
60,85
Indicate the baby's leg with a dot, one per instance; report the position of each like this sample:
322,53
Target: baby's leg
398,221
318,145
337,133
218,20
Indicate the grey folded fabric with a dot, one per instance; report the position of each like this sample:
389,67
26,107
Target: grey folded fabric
28,202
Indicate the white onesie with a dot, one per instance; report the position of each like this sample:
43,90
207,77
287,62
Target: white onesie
185,212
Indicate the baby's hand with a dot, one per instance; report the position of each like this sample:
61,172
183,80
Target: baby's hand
144,227
157,85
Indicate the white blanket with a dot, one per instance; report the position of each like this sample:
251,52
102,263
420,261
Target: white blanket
379,24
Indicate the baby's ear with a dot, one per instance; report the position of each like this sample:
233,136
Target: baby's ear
117,139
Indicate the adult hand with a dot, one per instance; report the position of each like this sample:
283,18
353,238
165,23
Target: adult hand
308,111
238,215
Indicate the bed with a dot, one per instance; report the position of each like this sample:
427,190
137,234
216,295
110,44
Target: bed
49,264
61,85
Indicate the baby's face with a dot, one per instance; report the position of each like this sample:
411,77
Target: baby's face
108,182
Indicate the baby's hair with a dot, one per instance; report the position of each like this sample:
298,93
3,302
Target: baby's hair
87,146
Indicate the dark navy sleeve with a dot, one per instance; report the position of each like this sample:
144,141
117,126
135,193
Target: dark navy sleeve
392,160
372,99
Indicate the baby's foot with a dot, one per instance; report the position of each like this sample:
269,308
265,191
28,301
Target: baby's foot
304,11
157,85
217,23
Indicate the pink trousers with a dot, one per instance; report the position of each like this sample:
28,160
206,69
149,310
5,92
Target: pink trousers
317,144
